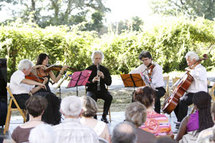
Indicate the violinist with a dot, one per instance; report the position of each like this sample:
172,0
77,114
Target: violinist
20,87
51,114
152,72
199,74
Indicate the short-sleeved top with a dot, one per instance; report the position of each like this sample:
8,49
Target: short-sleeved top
16,86
20,135
157,124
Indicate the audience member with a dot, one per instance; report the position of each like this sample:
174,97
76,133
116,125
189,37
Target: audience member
71,130
199,120
35,106
124,133
207,135
135,113
156,123
43,133
89,111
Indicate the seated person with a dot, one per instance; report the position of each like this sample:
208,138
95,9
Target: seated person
99,78
71,130
43,133
89,111
208,135
135,113
199,120
22,87
156,123
124,132
35,106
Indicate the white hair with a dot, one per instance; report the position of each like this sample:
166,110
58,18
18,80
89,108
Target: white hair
71,106
95,53
42,133
192,55
25,64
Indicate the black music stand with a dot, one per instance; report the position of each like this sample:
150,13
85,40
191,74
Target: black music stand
79,78
132,80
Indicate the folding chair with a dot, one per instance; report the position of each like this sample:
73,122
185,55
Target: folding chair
166,80
10,109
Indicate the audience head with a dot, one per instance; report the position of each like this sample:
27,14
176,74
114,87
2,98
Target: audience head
135,113
71,106
165,139
95,55
145,96
41,58
202,100
89,106
43,133
124,133
36,105
25,65
145,54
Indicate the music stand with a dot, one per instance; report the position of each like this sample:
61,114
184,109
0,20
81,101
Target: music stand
132,80
79,78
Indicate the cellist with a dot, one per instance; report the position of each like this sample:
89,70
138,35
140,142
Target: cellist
153,73
199,74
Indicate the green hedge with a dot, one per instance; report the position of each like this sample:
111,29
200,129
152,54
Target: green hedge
168,41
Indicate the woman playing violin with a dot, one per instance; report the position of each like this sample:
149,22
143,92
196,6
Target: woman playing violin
152,72
199,74
51,114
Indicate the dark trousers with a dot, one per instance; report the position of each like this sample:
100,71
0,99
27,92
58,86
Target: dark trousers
182,107
160,91
105,95
21,99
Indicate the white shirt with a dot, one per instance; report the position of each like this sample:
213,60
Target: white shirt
157,74
72,131
16,86
199,83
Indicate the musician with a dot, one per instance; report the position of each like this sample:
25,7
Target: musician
152,74
99,78
199,73
21,87
52,114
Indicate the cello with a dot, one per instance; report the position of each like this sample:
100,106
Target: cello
183,84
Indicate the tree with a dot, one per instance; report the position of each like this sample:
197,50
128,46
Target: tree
55,12
190,8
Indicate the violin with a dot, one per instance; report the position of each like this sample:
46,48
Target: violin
34,77
57,68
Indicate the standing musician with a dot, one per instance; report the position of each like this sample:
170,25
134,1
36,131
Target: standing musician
199,74
20,87
52,114
153,73
99,77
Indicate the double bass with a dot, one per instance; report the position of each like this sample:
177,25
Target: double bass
183,84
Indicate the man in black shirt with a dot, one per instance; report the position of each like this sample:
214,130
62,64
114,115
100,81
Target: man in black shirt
97,82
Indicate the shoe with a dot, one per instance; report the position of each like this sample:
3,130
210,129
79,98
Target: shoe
177,125
104,119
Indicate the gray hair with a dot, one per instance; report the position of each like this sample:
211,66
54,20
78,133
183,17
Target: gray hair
89,106
95,53
135,113
71,106
42,133
25,64
124,133
192,55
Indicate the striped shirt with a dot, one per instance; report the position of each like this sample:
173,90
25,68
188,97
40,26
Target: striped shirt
157,124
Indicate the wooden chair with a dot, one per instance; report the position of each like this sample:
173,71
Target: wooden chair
10,109
166,80
211,92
